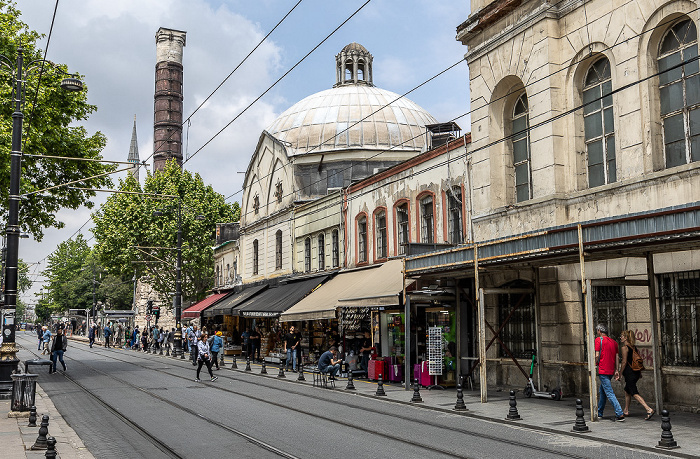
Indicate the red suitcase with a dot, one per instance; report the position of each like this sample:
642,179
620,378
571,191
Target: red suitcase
374,369
425,379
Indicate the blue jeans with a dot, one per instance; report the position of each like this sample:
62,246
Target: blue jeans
332,369
291,356
57,355
606,392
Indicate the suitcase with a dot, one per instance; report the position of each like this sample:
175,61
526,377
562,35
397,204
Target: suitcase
394,373
416,372
374,369
425,379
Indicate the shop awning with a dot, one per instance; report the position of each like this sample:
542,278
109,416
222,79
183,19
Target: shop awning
374,286
224,307
275,300
196,309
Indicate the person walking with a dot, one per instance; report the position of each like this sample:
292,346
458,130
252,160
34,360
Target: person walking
607,360
119,335
193,342
156,338
254,340
40,335
58,347
108,333
144,340
91,334
46,340
204,357
217,342
627,354
291,341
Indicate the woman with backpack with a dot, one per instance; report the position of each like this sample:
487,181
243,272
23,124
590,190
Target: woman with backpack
631,366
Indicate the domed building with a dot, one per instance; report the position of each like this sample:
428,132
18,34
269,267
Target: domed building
312,151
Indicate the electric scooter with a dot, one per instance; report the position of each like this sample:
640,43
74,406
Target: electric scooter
531,389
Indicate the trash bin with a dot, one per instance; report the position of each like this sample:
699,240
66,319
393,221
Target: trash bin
23,391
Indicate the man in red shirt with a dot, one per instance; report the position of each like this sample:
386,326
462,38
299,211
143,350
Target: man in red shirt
607,359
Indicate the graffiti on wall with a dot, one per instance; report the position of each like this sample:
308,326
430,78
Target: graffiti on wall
643,338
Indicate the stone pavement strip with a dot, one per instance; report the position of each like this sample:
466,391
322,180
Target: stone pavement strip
17,439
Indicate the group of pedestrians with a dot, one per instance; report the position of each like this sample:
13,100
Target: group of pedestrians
612,363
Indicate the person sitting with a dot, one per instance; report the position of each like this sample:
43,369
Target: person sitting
329,363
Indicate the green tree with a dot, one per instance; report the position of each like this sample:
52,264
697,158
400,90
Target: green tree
132,240
24,283
68,283
48,112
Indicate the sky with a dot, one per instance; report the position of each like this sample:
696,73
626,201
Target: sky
112,43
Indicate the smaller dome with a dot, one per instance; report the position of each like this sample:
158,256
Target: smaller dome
354,47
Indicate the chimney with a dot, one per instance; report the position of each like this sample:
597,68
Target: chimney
167,113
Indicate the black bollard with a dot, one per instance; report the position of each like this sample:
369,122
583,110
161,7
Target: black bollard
350,385
416,393
247,364
301,373
221,360
40,442
580,425
234,366
32,417
380,387
50,448
263,368
460,406
281,373
513,411
667,441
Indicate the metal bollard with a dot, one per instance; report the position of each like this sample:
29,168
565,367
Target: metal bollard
32,417
40,442
580,425
350,385
301,373
247,364
221,360
380,387
234,366
263,369
513,411
667,441
460,406
50,448
281,373
416,393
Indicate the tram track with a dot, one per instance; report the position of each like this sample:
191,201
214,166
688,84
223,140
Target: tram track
348,405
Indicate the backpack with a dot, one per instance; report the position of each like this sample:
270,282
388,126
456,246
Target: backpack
637,361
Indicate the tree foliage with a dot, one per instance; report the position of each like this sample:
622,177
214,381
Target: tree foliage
131,240
48,112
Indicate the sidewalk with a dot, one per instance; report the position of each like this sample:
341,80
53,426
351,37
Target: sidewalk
17,439
541,414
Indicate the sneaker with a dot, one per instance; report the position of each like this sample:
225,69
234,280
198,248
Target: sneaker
197,379
620,418
214,378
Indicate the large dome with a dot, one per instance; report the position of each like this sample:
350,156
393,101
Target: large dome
325,121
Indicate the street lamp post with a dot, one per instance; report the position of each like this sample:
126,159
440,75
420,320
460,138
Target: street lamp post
8,350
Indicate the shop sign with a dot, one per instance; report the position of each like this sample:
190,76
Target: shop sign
351,318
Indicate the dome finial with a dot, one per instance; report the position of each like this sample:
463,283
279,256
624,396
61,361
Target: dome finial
353,65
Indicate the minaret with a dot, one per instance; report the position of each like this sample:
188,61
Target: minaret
167,116
134,154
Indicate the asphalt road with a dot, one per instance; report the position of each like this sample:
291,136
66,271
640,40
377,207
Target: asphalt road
125,403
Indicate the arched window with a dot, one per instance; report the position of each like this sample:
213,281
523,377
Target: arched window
380,233
255,257
598,124
336,248
521,149
402,234
454,214
321,252
427,219
307,254
679,94
278,249
362,240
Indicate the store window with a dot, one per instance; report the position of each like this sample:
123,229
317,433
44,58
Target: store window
518,332
598,123
402,227
321,252
427,220
307,254
610,308
679,94
679,303
255,257
362,240
454,215
380,233
336,248
521,149
278,249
